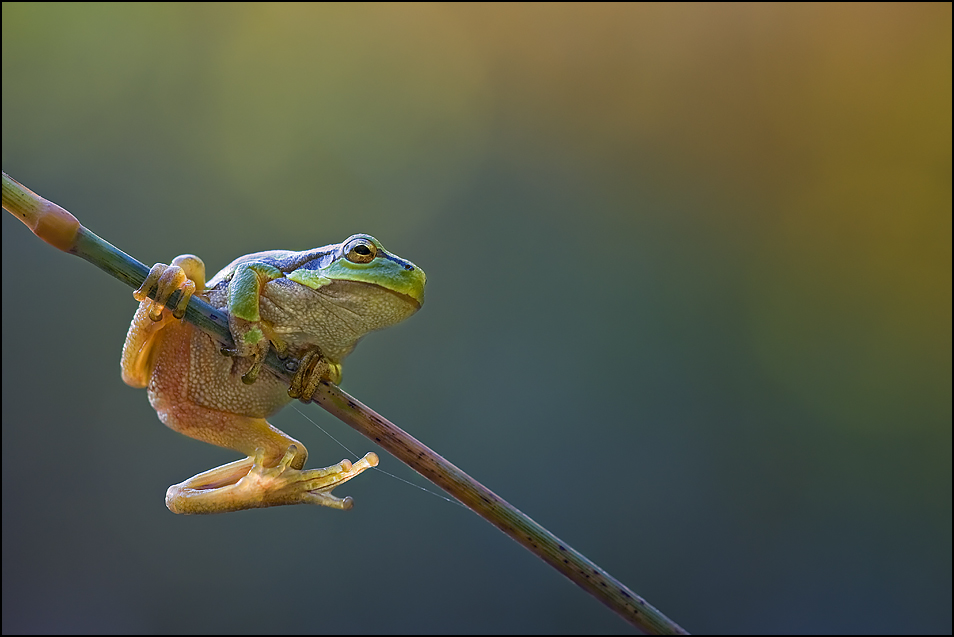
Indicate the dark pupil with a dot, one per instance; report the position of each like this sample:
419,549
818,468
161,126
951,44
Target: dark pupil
362,250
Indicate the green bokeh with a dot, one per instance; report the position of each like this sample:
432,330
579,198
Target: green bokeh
688,306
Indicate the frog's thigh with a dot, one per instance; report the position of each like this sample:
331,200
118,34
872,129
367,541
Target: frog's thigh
244,434
142,345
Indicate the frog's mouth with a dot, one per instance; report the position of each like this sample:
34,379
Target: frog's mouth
338,292
400,278
406,298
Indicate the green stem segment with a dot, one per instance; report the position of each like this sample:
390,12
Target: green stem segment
60,229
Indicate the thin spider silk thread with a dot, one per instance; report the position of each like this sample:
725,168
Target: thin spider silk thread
355,456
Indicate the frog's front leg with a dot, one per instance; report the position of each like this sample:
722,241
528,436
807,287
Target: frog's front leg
251,334
313,368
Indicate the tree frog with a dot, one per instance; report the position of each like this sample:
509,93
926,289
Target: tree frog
313,306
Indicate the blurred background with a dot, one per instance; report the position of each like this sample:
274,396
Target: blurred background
688,306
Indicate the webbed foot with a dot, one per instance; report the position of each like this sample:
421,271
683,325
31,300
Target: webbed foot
249,484
283,484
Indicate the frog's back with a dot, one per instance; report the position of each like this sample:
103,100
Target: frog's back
284,260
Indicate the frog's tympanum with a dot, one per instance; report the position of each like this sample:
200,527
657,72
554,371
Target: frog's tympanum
312,306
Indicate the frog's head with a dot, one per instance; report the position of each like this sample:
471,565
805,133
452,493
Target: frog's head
362,277
362,259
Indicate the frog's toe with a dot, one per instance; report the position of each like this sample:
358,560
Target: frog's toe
331,477
317,484
313,369
328,500
287,459
258,359
283,484
165,280
256,356
250,341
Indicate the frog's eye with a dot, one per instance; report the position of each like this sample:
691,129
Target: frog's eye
360,251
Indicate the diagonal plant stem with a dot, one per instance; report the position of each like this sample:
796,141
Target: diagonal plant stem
62,230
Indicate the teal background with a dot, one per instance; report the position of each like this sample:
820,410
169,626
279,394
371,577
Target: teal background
688,306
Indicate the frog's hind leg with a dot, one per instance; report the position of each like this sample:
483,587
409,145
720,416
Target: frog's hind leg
250,484
271,475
